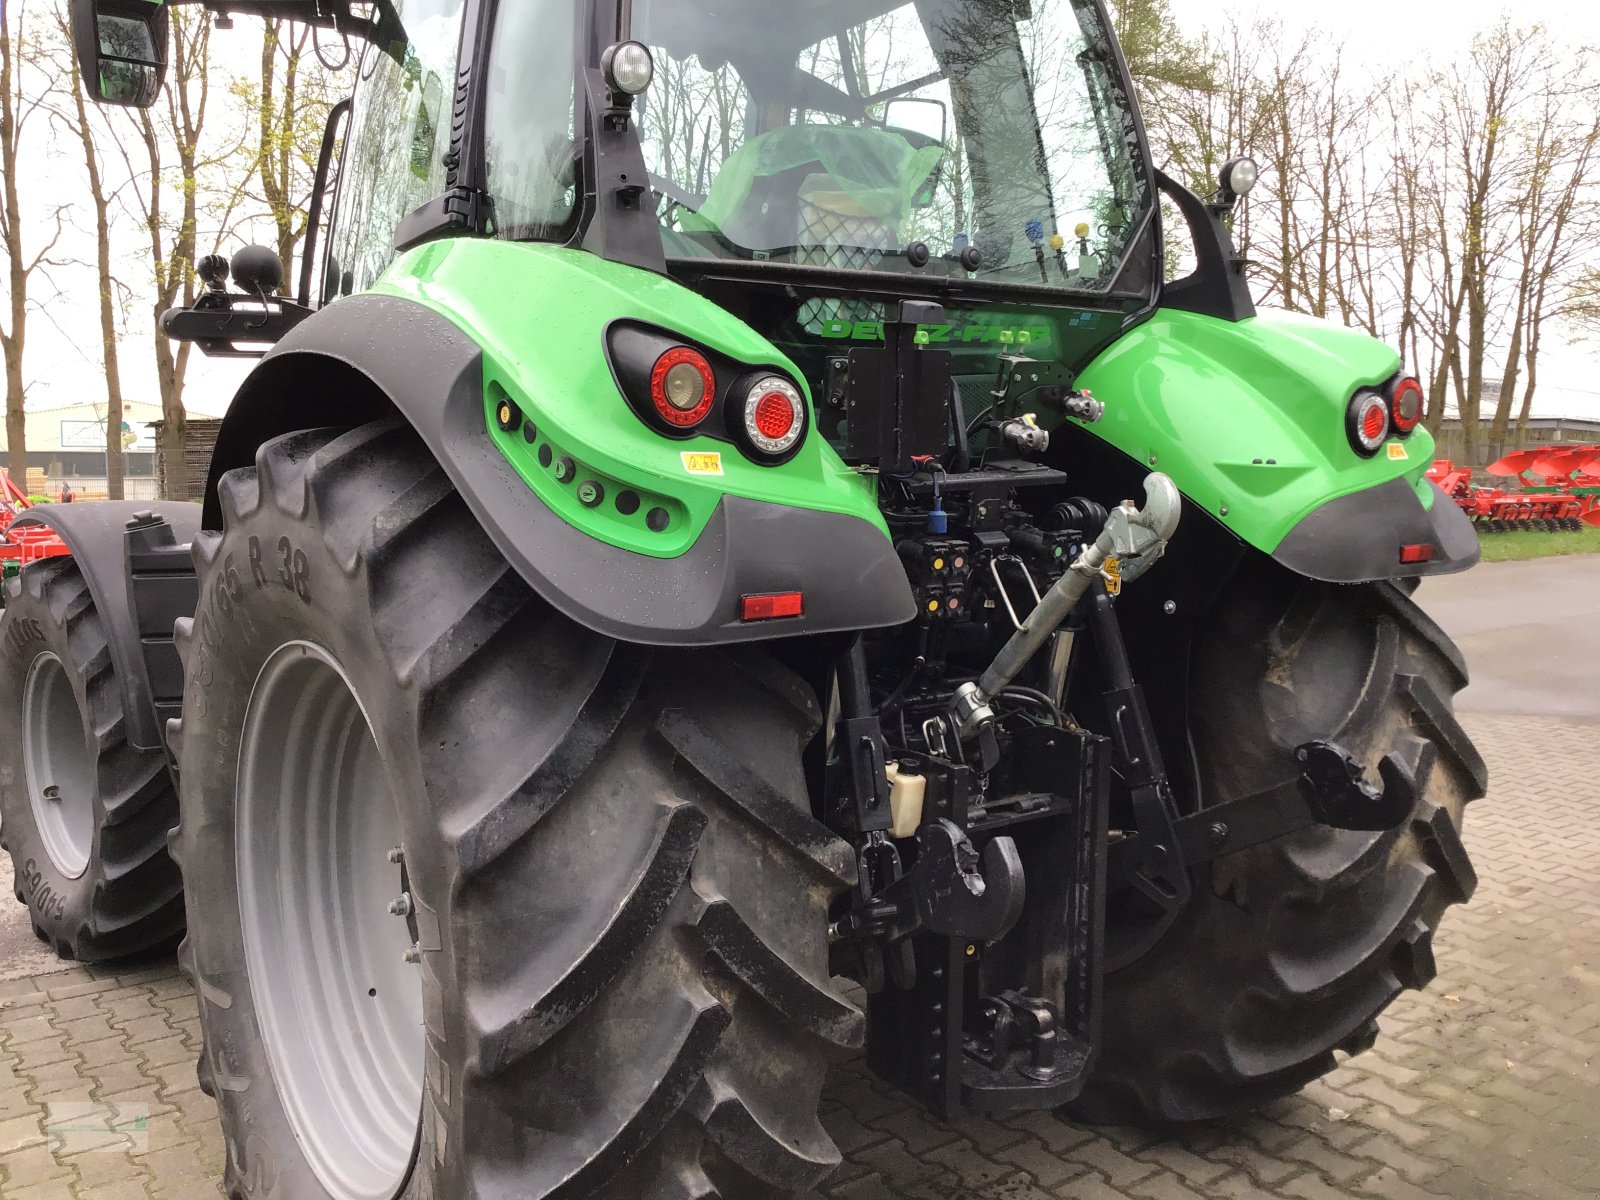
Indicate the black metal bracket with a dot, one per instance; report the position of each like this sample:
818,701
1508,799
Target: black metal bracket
974,1034
1331,790
223,331
459,210
898,396
161,588
1150,861
950,890
1219,286
1334,785
619,225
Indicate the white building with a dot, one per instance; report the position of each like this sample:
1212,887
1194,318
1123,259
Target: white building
67,445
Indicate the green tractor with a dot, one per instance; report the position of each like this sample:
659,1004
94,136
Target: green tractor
736,557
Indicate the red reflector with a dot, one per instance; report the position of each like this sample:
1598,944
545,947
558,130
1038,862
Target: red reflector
1372,422
774,415
768,607
1420,553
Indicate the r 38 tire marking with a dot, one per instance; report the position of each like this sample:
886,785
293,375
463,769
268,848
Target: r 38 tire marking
291,570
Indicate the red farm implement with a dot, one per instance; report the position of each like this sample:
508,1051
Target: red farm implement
22,544
1560,490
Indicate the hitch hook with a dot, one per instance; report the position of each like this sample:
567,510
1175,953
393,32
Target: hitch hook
1333,783
953,897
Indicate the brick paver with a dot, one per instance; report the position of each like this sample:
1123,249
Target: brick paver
1485,1086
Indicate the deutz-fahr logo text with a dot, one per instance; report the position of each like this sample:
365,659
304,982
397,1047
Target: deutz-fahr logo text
970,333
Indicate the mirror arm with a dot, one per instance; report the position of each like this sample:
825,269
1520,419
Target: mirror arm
319,189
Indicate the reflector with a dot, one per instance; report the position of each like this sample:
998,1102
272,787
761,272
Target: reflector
1367,423
771,605
774,415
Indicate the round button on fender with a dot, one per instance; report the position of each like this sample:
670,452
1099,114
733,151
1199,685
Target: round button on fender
591,494
565,470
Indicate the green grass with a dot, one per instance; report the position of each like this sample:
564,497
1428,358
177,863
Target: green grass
1513,547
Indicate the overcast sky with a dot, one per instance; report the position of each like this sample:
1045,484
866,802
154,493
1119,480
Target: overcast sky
1409,27
63,357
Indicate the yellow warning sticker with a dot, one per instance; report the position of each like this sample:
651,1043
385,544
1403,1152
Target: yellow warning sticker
1112,573
702,462
1397,452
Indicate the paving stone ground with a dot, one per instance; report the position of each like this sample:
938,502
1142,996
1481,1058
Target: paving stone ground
1486,1086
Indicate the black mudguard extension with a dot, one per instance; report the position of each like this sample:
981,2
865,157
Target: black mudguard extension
432,373
1357,538
97,536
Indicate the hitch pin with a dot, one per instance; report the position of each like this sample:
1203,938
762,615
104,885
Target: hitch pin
1136,537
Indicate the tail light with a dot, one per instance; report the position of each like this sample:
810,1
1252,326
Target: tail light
774,416
683,390
1405,404
1367,423
682,387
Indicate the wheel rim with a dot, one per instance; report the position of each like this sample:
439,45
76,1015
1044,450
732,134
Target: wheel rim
339,1005
55,758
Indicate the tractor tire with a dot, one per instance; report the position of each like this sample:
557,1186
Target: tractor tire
83,813
563,935
1289,950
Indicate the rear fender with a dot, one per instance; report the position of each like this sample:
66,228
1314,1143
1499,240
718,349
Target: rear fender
1248,418
97,536
407,349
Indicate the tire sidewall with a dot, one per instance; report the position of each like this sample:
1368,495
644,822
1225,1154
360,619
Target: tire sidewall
274,581
60,906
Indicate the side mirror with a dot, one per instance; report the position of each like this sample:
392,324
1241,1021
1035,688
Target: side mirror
122,49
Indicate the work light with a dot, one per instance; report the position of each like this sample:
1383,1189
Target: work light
628,67
1238,178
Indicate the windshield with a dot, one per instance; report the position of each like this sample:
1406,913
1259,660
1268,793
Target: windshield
870,135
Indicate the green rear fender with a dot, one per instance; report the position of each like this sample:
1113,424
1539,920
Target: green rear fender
629,532
1248,418
540,314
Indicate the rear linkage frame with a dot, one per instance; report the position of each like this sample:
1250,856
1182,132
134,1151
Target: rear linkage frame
982,954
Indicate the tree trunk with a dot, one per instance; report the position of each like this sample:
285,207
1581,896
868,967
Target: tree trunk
116,456
14,337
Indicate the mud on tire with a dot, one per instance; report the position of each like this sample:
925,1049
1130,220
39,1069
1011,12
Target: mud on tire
619,898
83,813
1290,950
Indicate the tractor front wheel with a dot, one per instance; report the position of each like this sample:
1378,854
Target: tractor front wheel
488,905
1288,951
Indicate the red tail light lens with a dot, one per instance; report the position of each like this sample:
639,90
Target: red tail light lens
1367,423
1405,405
683,387
1414,555
774,415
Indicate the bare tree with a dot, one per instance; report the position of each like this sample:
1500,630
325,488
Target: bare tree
19,101
78,121
168,198
289,100
1558,217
